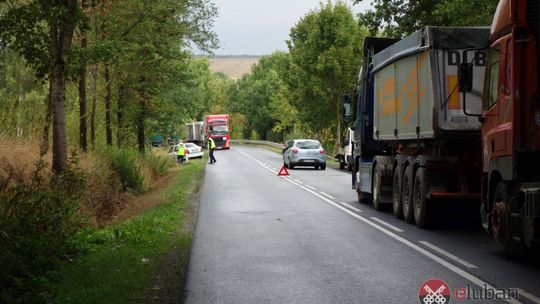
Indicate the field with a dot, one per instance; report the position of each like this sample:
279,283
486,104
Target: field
232,66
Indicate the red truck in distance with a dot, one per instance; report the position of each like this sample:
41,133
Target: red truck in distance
217,128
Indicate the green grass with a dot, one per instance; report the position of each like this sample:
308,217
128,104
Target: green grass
120,260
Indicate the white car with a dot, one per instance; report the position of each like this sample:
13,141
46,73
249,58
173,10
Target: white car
192,150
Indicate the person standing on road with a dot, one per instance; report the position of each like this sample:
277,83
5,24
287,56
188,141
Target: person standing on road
211,148
181,153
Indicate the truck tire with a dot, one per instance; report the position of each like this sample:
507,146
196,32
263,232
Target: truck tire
501,227
341,163
420,202
323,167
377,187
397,189
406,194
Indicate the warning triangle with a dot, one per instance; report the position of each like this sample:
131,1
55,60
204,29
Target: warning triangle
283,171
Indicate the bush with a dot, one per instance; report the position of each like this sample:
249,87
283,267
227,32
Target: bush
159,164
124,163
38,220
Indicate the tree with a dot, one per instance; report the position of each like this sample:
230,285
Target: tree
325,47
397,18
42,31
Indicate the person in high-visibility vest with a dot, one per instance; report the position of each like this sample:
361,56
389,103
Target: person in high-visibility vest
211,148
181,153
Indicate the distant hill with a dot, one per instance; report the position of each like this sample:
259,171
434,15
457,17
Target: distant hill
233,66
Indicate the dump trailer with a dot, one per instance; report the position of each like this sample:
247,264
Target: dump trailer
415,147
195,132
510,118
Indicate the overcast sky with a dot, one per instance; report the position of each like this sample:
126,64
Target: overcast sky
260,27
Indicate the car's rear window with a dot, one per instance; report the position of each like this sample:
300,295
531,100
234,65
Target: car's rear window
308,144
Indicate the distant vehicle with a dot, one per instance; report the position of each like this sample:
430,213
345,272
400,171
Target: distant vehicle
195,132
304,152
344,155
217,127
157,140
192,150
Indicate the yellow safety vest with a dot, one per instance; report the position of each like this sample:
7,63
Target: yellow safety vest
181,150
211,144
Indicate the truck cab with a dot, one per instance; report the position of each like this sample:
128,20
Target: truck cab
344,155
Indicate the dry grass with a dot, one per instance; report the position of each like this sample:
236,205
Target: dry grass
233,67
104,202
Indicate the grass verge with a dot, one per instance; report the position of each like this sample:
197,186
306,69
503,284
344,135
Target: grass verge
120,261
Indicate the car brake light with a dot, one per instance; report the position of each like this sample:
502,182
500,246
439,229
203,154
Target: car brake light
322,151
294,150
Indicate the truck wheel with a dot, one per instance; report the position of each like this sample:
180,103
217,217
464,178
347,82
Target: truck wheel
500,222
397,202
377,187
323,167
419,198
341,164
406,194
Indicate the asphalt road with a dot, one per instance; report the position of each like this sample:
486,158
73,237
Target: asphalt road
261,238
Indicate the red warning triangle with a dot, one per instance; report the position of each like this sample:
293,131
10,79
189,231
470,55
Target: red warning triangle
283,171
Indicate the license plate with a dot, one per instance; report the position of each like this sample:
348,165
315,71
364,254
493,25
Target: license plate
309,161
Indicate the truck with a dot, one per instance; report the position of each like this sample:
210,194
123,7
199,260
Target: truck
510,118
344,155
414,146
195,132
217,128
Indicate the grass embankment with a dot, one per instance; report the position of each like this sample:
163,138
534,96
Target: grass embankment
122,260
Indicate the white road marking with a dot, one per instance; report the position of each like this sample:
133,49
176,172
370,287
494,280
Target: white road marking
327,195
311,187
298,181
386,224
350,207
448,254
462,273
529,296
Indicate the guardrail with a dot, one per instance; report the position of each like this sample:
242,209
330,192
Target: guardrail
256,142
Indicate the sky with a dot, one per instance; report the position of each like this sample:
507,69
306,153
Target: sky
260,27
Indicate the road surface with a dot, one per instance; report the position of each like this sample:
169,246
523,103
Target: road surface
261,238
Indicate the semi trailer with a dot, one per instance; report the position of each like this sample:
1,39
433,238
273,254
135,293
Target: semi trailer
414,144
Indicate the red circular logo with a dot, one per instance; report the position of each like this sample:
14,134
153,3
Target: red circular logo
434,291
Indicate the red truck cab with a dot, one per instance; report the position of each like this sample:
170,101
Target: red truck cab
511,128
217,128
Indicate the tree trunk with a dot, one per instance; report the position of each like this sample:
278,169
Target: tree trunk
82,97
108,86
61,35
94,105
338,124
44,146
140,126
140,119
120,115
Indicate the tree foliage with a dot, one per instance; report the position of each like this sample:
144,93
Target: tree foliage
397,18
137,55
